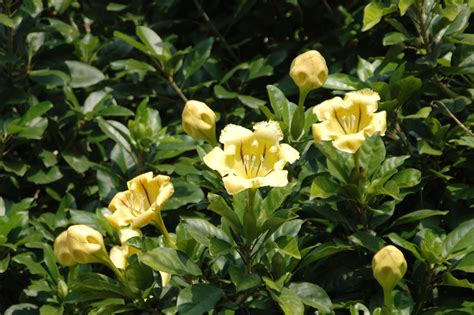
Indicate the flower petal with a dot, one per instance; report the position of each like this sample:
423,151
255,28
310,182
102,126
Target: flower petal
288,153
118,256
268,131
232,134
326,109
366,98
349,143
216,160
377,124
277,178
234,184
327,130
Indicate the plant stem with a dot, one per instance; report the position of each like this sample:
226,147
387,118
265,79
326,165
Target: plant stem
302,98
460,124
160,224
387,301
216,31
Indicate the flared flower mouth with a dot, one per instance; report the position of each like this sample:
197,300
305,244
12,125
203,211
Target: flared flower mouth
251,159
347,122
143,200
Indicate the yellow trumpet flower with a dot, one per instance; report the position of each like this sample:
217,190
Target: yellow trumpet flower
251,159
141,204
61,251
347,122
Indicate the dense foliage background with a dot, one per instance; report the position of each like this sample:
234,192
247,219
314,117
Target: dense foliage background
91,94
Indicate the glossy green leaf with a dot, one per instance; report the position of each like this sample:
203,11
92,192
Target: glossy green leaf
198,299
169,260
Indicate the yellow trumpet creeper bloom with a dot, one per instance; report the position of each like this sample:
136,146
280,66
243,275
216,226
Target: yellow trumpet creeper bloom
347,122
141,204
86,245
251,159
199,121
309,70
61,251
389,266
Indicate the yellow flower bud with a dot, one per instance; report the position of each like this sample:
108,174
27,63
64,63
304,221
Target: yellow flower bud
165,278
199,121
389,267
86,245
125,235
118,256
61,251
309,70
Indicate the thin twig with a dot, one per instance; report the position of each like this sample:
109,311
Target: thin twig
216,31
460,124
445,89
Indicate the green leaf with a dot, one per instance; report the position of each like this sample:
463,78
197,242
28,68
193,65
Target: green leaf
198,56
418,216
32,7
371,154
323,186
49,77
405,88
185,193
79,163
407,178
169,260
39,176
373,13
4,262
251,102
28,260
116,131
399,241
242,280
36,111
83,75
221,92
404,5
423,113
312,295
341,81
202,231
425,148
198,299
459,239
5,20
466,263
394,38
289,301
450,280
367,240
151,40
391,164
219,206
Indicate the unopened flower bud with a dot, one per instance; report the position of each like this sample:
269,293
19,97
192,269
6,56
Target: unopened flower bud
389,267
61,251
165,278
118,256
86,245
309,70
199,121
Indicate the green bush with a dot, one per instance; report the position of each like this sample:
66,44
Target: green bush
91,96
